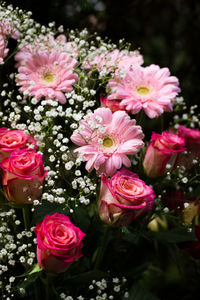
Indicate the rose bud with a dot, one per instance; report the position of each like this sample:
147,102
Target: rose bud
157,223
23,176
123,198
162,150
114,105
11,140
59,243
192,142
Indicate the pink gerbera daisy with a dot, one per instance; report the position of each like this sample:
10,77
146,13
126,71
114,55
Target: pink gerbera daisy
108,61
151,88
47,74
106,139
3,49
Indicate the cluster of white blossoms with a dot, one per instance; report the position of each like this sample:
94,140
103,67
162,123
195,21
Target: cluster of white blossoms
102,289
16,251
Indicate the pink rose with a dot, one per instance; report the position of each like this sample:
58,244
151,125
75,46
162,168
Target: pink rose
114,105
162,149
23,176
192,142
59,243
123,198
11,140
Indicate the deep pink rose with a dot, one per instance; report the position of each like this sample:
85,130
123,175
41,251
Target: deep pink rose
123,198
114,105
59,243
192,142
11,140
162,149
23,176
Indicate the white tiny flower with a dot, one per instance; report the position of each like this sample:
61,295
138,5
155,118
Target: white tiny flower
100,141
184,180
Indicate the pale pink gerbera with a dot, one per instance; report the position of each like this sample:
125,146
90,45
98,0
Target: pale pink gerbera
106,139
151,88
47,74
108,61
46,43
3,49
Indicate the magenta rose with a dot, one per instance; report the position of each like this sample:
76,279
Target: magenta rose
23,176
192,142
59,243
123,198
162,149
11,140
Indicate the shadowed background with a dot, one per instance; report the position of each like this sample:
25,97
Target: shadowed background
166,32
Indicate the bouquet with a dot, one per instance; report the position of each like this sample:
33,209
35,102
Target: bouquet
99,159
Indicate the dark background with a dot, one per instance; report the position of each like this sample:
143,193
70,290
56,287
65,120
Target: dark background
166,31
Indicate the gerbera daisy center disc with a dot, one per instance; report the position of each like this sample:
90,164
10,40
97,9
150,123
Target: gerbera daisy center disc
143,90
48,77
108,142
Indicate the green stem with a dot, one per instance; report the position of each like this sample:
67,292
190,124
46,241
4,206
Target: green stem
139,118
102,248
47,288
25,211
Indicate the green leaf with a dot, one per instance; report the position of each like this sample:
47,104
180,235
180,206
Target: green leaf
176,235
46,208
17,205
81,218
131,238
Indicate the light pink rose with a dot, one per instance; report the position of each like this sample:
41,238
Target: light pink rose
192,142
11,140
162,149
23,176
114,105
123,198
59,243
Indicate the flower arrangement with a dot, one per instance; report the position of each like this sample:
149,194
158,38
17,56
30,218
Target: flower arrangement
93,201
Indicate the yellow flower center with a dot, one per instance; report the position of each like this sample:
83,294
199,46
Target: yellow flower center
108,142
48,77
143,90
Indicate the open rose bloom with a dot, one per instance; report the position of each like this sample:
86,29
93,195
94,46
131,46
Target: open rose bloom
123,198
105,139
59,243
23,176
11,140
162,149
